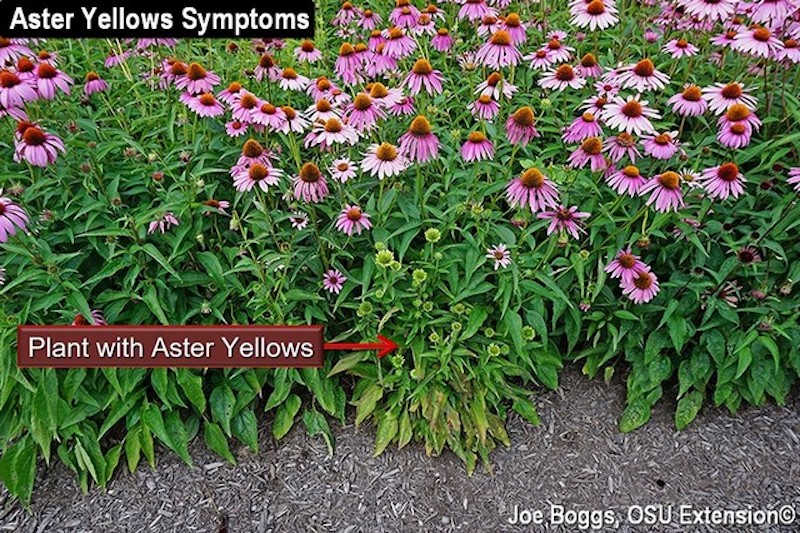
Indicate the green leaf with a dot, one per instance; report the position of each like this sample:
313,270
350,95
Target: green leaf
133,447
367,402
284,416
744,360
217,442
18,468
150,298
316,424
770,344
222,403
192,386
153,252
245,427
178,435
350,361
635,416
387,430
527,410
688,408
477,317
405,432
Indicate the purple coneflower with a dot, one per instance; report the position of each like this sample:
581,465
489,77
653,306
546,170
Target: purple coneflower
333,281
521,126
477,148
15,92
475,10
540,59
561,78
665,192
735,135
404,15
628,180
499,51
252,153
264,176
622,145
740,113
442,41
595,15
423,75
723,181
370,20
353,219
167,221
217,206
559,51
26,70
631,115
749,255
205,105
773,12
590,151
267,69
758,42
292,81
342,170
588,67
721,97
244,105
12,218
398,45
625,266
496,86
564,219
330,132
348,65
384,160
485,108
679,48
36,146
791,51
642,288
642,77
581,128
720,10
419,143
661,146
534,189
689,102
94,84
794,178
500,254
11,50
363,114
515,28
230,93
115,59
307,52
725,39
49,79
299,220
197,80
382,95
403,107
488,25
310,184
98,319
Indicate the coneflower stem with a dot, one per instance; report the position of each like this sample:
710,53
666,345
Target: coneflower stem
420,195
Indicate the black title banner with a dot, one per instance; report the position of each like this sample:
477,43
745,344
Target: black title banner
148,18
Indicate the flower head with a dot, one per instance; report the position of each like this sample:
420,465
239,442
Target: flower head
500,255
12,218
723,181
534,189
564,219
384,160
353,219
333,281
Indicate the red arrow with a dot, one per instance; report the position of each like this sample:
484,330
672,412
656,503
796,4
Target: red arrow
384,346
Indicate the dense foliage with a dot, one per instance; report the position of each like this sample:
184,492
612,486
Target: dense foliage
456,241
